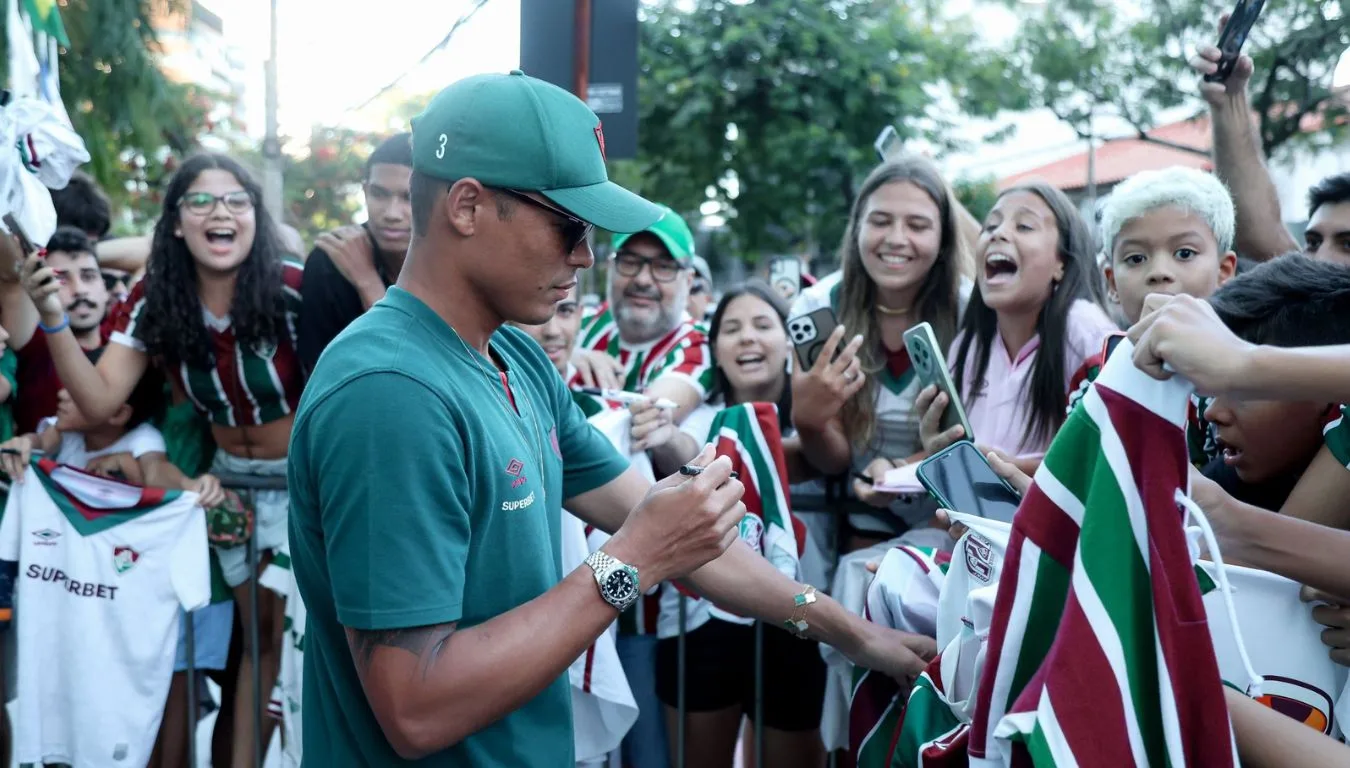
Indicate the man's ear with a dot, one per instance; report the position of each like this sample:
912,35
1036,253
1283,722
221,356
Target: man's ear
1227,267
463,204
121,416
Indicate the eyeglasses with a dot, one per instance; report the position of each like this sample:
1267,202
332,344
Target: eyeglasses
204,203
630,264
574,231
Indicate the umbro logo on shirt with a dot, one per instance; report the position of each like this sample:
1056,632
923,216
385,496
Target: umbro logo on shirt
46,537
514,469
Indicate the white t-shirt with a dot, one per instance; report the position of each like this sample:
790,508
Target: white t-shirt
142,439
103,570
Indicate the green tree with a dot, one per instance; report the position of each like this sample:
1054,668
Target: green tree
1101,57
130,116
977,195
770,108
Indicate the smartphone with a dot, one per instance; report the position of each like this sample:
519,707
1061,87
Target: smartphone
809,333
926,357
962,480
888,143
785,275
1233,36
17,230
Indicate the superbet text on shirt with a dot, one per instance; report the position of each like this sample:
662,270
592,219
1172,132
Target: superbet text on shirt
103,569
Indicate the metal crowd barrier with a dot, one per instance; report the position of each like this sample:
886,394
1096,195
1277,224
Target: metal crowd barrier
829,502
247,487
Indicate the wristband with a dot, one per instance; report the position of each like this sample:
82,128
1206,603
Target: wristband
65,323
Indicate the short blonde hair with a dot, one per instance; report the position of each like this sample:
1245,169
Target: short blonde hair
1196,191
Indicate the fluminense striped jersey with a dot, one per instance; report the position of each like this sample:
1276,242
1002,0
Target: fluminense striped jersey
1201,438
748,434
1099,644
247,386
683,353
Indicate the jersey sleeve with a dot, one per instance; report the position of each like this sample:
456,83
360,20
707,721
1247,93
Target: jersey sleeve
190,564
391,527
589,459
126,319
1336,434
689,361
293,279
145,439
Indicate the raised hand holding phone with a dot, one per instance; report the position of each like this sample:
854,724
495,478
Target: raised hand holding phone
43,286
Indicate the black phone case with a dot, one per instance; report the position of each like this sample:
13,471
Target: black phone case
1234,36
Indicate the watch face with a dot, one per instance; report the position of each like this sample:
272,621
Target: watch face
620,586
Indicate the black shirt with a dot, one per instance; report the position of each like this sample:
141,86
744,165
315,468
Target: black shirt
330,303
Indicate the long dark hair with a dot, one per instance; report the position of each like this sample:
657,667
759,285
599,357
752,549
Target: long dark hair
173,328
721,385
937,302
1077,251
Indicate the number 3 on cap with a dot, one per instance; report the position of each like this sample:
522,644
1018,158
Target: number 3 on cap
440,151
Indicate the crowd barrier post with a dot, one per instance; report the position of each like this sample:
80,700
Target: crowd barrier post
679,694
248,486
190,647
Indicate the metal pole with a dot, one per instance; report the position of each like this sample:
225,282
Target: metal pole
759,695
581,50
255,650
191,687
272,182
679,690
1092,165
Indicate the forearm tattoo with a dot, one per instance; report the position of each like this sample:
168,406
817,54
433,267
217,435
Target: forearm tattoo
426,643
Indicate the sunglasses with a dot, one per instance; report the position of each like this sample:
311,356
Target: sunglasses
574,231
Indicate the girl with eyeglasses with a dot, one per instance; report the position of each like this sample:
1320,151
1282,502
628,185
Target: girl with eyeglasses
217,312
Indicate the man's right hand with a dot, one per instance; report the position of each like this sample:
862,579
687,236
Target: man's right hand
683,523
43,286
597,369
1186,335
819,393
1206,62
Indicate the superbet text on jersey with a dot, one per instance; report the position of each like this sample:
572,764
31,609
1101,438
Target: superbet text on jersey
102,570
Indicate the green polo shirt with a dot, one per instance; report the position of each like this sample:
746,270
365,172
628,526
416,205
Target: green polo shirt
418,498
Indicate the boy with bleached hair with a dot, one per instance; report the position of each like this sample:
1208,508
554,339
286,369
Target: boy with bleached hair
1168,231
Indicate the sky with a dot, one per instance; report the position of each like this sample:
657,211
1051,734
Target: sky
330,60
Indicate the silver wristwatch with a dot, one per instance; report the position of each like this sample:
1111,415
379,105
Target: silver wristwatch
618,581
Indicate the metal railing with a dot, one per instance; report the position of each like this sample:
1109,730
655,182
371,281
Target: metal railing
247,487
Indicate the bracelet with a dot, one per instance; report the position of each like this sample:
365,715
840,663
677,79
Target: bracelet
65,323
796,624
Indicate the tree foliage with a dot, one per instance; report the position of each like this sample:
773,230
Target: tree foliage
1130,60
770,108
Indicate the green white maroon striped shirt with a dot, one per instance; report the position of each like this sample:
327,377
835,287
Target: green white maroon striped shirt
246,386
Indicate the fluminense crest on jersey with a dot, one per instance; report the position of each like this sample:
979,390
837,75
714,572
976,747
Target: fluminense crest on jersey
124,558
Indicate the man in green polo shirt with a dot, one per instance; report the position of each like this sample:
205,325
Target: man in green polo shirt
434,448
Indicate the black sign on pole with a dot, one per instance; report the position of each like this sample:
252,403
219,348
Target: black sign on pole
546,40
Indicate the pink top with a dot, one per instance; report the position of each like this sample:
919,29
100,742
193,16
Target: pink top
1000,407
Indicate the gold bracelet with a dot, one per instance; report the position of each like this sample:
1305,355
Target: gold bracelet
796,624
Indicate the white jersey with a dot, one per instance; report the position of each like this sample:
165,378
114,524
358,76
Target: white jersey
103,570
287,693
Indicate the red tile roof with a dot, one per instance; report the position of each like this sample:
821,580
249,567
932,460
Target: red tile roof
1119,159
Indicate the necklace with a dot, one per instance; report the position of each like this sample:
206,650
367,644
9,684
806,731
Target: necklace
514,416
885,310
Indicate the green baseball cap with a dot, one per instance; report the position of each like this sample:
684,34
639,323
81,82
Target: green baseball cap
517,132
671,230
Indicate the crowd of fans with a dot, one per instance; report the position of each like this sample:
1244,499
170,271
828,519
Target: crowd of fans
188,351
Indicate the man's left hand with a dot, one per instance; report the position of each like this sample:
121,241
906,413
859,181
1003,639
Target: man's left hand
1333,614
